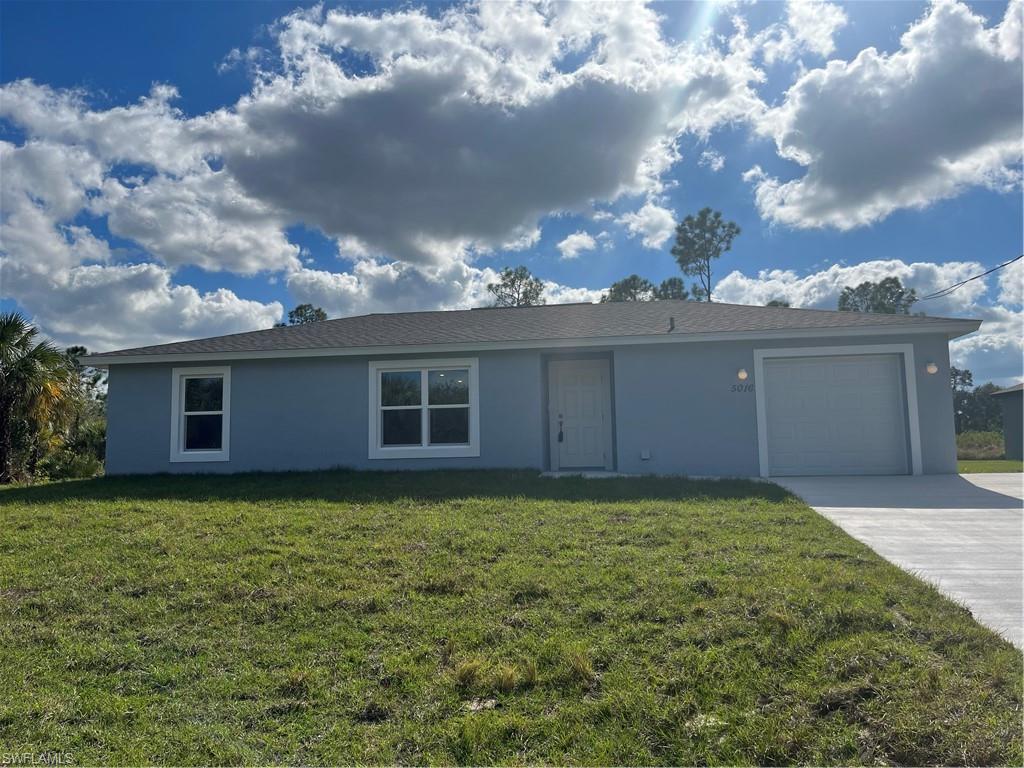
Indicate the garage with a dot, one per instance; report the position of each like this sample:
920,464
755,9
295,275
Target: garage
835,415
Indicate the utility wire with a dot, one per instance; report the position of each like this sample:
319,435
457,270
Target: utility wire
962,283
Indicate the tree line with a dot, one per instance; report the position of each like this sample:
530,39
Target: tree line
974,408
700,240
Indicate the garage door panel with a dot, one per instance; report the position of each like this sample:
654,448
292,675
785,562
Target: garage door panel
851,433
812,435
835,415
812,374
843,373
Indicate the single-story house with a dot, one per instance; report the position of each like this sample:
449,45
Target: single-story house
665,387
1013,420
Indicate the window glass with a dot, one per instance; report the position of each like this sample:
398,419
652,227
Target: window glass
400,388
401,427
448,387
203,433
205,394
449,426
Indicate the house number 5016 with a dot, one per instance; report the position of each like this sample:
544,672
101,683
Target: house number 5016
742,388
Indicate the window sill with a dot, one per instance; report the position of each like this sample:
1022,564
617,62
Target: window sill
199,456
426,452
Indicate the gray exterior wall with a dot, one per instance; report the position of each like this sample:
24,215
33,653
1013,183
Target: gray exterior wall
680,406
1013,416
310,413
673,400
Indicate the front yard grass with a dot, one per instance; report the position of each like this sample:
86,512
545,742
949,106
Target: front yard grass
967,466
477,617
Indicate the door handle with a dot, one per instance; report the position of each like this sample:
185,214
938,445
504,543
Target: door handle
561,436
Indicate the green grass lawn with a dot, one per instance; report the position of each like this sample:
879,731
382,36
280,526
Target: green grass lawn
989,465
477,618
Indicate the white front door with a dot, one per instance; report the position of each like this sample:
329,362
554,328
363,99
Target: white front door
579,399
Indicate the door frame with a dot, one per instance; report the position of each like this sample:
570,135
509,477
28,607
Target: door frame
552,399
906,351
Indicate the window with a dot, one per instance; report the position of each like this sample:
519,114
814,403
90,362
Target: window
200,409
421,408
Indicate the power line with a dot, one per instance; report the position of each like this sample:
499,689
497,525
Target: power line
962,283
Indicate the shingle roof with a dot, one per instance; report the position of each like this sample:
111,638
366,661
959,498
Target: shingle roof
543,324
1008,390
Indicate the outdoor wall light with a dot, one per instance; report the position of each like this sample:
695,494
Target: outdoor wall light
932,368
742,374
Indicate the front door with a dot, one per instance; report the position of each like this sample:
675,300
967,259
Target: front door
579,414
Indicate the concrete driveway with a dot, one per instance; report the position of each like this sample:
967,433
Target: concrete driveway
963,533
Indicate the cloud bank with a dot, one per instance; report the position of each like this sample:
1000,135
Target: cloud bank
885,132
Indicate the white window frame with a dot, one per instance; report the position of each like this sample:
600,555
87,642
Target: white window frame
178,377
909,382
425,450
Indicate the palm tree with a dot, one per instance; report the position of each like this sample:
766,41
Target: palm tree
38,385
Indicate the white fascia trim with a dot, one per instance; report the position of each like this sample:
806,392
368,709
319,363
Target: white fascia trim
909,378
178,454
953,329
377,451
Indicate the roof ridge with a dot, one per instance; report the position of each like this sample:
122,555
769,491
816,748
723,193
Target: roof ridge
567,321
684,302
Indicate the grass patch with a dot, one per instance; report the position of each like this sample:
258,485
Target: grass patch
965,466
477,617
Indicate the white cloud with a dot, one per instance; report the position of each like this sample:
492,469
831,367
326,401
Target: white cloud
1011,284
811,26
709,158
42,186
572,246
996,349
374,286
61,272
105,307
820,290
815,24
901,130
555,293
252,58
470,124
523,240
151,132
652,223
202,218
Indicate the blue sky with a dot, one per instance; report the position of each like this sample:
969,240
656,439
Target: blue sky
135,215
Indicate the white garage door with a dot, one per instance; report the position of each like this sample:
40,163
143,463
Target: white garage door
835,415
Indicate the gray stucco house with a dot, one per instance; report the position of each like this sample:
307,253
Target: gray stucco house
1011,399
673,387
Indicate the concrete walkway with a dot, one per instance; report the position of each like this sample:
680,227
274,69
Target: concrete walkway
961,532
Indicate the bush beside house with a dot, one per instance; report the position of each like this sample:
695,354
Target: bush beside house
979,445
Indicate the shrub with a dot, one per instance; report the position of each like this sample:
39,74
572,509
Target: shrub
580,668
505,678
68,465
468,672
979,445
530,675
